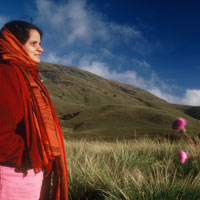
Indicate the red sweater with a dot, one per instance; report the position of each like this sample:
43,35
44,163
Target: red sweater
12,129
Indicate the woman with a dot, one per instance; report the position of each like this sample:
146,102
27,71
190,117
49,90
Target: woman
32,154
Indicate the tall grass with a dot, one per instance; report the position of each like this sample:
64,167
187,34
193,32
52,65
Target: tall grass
131,170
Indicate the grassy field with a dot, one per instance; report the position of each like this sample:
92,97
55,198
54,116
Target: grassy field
142,169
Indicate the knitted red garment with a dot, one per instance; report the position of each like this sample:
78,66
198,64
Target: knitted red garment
11,113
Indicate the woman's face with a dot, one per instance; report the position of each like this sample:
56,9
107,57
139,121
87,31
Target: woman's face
32,45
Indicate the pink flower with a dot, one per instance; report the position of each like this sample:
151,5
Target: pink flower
179,124
183,156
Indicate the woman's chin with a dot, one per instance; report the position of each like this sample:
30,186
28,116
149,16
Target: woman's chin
36,60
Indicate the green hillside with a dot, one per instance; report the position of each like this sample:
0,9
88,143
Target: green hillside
91,106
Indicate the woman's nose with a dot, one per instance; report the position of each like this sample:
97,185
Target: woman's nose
40,49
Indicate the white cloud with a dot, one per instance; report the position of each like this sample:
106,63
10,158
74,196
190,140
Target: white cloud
141,64
159,92
76,20
53,58
106,53
192,97
98,68
125,31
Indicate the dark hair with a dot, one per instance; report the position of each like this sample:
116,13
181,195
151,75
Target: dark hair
20,29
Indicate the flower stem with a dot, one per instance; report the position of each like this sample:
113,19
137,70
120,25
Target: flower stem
192,141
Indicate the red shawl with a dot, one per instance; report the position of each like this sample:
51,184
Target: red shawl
43,133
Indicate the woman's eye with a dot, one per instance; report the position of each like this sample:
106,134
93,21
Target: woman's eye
33,43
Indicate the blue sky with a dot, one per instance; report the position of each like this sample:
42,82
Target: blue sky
151,44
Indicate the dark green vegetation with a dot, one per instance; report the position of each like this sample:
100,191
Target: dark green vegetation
141,169
93,107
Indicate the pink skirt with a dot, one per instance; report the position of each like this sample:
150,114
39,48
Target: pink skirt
14,186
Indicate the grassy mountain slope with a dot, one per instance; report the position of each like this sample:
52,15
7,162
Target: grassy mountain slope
89,105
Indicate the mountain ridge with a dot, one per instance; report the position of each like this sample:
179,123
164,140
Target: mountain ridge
91,106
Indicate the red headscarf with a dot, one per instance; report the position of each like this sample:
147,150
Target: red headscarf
43,133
